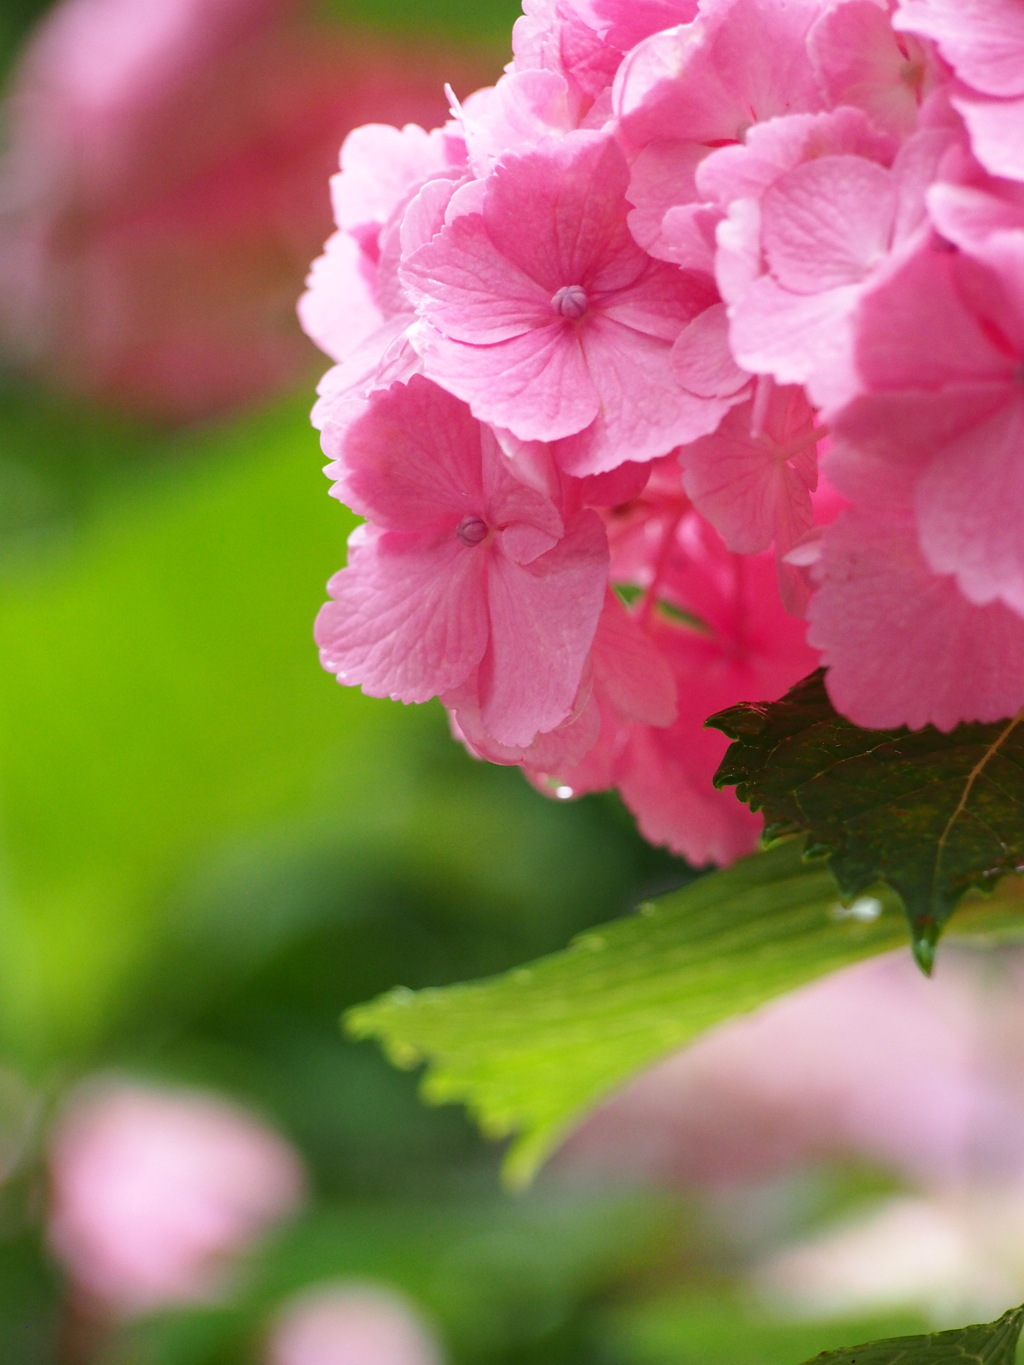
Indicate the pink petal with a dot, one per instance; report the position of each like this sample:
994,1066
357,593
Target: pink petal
408,619
410,459
903,645
744,484
537,385
702,358
970,509
470,291
983,40
559,213
994,128
827,223
798,338
543,617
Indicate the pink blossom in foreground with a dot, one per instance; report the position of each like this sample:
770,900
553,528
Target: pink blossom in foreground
671,277
155,1192
350,1324
162,191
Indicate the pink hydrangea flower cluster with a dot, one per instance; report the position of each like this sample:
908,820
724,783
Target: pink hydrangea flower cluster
593,339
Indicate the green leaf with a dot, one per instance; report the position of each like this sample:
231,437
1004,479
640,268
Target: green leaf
930,814
990,1343
530,1051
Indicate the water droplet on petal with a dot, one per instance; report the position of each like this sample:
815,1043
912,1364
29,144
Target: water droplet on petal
564,793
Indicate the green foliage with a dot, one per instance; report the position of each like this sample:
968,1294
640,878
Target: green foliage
990,1343
530,1051
930,814
711,1325
488,21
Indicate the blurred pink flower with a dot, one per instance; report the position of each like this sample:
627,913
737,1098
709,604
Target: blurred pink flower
351,1324
165,187
155,1191
920,1076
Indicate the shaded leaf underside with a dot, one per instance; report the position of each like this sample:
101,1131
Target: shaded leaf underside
930,814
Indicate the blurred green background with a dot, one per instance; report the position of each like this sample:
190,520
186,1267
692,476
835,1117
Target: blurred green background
209,850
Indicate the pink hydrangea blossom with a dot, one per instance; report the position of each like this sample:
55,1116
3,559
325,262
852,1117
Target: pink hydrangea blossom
659,279
157,1191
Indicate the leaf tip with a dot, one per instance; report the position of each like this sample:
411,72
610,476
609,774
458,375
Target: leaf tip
923,943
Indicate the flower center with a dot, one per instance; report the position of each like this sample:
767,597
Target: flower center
471,530
570,301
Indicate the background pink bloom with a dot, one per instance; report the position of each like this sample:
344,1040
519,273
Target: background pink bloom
164,190
350,1324
156,1191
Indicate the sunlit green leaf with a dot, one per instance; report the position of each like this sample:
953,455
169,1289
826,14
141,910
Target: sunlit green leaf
931,814
529,1052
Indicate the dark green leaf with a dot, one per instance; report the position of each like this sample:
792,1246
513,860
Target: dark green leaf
990,1343
930,814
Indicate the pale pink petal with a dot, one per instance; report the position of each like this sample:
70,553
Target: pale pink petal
903,645
409,459
798,338
339,309
408,617
994,127
469,291
702,358
983,40
350,1324
970,509
827,223
860,62
661,176
537,385
514,116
